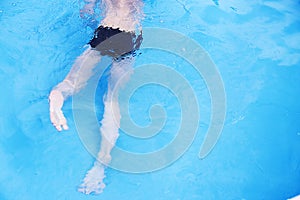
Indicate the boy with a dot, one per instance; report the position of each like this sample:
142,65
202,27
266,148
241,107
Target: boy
118,36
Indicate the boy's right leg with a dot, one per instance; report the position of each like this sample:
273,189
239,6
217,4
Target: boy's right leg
77,78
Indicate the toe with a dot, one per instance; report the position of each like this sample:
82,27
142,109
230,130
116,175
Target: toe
65,127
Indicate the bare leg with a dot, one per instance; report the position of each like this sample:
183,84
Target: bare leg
93,180
110,124
77,78
119,75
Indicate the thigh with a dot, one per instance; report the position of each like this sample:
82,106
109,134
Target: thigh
121,71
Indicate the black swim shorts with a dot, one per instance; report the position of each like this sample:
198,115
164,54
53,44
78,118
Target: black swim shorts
114,42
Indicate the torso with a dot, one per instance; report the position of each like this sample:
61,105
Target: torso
123,14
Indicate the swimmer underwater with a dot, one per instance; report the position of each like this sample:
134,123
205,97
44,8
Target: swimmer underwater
118,36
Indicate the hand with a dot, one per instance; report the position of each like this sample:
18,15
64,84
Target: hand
87,10
56,115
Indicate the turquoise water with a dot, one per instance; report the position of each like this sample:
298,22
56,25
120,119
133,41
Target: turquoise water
255,46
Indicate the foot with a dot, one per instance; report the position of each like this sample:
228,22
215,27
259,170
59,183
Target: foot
56,115
93,181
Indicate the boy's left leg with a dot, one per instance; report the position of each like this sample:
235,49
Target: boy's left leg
119,75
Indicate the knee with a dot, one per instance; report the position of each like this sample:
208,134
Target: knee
65,87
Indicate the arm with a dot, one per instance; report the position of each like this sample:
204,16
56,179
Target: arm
89,8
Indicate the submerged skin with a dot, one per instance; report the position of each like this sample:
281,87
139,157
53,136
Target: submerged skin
124,15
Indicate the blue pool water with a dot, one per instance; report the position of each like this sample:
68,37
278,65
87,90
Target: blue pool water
255,46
